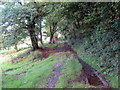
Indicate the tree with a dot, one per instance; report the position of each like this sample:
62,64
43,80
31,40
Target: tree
85,18
42,13
94,27
25,16
52,20
12,36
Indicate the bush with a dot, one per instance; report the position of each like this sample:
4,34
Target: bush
102,45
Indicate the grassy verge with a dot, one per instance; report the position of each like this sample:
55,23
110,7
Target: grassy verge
113,81
47,45
7,58
50,45
32,75
92,61
6,51
70,71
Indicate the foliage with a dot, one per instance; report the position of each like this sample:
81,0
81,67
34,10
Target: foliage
92,28
52,21
95,31
24,17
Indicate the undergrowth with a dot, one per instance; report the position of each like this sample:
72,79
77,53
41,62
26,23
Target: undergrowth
101,53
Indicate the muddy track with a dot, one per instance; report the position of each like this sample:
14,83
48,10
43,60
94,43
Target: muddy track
52,81
92,77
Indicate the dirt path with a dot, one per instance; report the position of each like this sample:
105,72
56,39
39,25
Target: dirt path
52,81
90,75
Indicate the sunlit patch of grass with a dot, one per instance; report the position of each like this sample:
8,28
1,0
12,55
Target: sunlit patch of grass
17,68
60,55
114,81
6,51
78,85
49,45
36,76
59,41
82,85
25,56
7,58
70,71
21,52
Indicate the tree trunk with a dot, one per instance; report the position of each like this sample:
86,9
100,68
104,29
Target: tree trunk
52,32
33,37
41,40
51,38
75,37
34,40
16,48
